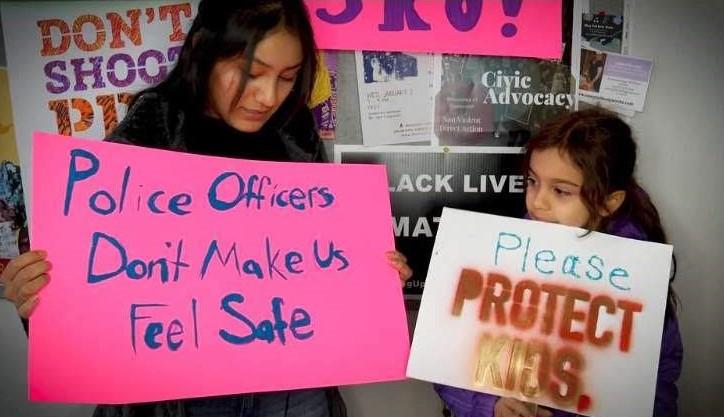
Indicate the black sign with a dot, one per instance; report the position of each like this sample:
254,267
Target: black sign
422,183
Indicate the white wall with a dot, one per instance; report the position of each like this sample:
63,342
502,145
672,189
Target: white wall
682,163
681,135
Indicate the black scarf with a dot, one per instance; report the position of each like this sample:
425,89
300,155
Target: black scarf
206,135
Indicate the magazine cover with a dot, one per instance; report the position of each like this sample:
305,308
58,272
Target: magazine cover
394,96
496,101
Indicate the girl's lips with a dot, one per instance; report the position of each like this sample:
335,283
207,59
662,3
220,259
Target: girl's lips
254,114
536,218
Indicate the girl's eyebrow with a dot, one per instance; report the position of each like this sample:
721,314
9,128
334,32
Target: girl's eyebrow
559,180
264,64
555,180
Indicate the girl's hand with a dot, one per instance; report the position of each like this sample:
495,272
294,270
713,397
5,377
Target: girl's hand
399,262
23,278
510,407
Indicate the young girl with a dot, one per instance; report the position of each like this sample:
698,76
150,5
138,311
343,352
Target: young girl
580,171
239,90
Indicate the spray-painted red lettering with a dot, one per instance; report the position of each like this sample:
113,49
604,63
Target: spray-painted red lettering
503,302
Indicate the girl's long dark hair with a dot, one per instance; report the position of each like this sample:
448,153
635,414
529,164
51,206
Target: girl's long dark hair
226,29
602,147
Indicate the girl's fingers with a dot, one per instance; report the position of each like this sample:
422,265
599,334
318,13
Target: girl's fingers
542,412
23,277
405,273
396,256
399,262
27,308
19,263
30,289
512,407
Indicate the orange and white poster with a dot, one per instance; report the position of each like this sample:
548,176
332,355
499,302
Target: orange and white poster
73,66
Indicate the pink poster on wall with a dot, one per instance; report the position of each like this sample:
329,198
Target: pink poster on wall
530,28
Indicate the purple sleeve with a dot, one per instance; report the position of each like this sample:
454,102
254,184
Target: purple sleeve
466,403
672,351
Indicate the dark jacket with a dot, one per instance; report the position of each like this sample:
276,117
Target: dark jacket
157,122
154,121
465,403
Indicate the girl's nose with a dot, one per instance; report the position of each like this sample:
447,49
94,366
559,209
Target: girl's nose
540,200
266,94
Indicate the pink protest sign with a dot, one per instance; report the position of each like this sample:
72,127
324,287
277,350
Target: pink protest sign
530,28
177,275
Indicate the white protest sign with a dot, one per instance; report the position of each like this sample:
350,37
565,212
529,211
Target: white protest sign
543,313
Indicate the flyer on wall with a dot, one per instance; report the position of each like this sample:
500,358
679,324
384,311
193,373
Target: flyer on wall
602,32
394,96
610,21
614,80
602,26
496,101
